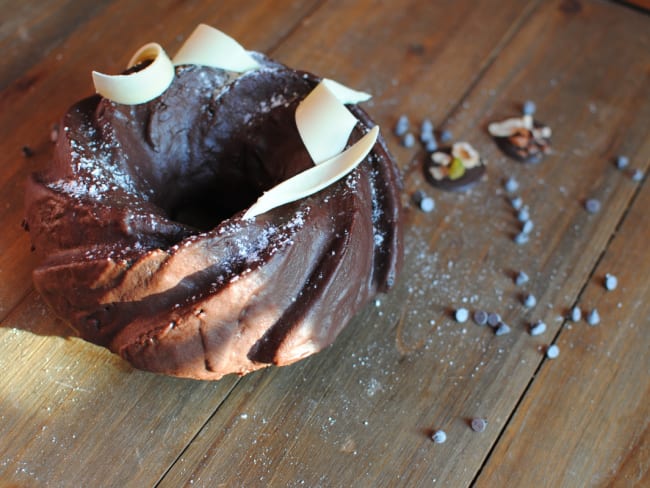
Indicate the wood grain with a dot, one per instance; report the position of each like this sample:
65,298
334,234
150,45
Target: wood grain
585,419
395,375
361,412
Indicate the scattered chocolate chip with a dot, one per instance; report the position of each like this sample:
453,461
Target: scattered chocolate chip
517,203
502,329
480,317
402,126
529,108
592,205
439,436
461,315
426,127
494,319
521,278
446,136
552,352
593,317
622,162
427,204
28,152
521,238
426,137
538,328
530,301
611,282
478,424
408,140
431,145
527,227
576,314
523,215
511,185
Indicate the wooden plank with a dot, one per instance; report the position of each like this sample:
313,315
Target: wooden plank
31,30
585,419
362,411
72,413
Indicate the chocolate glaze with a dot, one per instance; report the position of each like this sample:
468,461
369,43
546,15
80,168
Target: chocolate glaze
138,225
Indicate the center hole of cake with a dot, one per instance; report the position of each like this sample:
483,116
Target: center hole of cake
206,205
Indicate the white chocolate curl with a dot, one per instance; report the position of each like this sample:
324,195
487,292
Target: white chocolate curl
323,122
316,178
140,86
208,46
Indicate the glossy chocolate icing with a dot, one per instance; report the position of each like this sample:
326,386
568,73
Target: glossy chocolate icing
138,225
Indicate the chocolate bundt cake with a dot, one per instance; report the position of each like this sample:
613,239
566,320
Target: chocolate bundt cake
148,246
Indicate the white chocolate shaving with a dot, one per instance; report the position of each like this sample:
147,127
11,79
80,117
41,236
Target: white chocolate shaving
208,46
316,178
466,153
324,123
507,127
344,94
140,86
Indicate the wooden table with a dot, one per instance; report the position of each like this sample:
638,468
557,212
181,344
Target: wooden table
361,412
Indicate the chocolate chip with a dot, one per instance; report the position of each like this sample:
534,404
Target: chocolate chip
521,238
593,317
427,204
538,328
461,315
502,329
622,162
426,127
408,140
529,108
521,278
431,145
402,126
530,301
478,424
517,203
611,282
527,227
28,152
576,314
523,214
552,352
494,319
592,205
511,185
480,317
439,436
446,136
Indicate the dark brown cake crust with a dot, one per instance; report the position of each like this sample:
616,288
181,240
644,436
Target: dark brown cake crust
138,225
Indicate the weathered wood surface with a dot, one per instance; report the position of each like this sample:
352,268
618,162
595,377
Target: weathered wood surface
360,413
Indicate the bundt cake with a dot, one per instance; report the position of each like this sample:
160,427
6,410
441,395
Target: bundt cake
157,239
